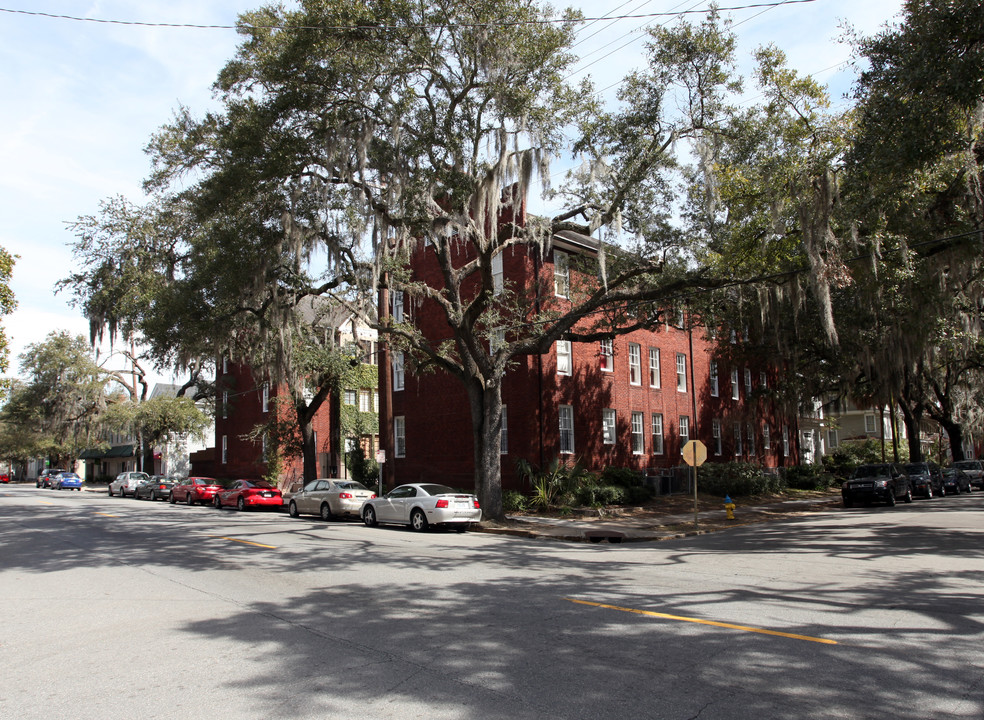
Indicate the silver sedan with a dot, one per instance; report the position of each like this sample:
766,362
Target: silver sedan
330,499
421,505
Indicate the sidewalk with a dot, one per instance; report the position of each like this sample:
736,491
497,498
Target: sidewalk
653,526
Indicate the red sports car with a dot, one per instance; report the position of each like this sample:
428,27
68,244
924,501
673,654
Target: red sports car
245,494
195,490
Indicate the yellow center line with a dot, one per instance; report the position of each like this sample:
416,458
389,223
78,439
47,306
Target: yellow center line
45,502
244,542
714,623
106,514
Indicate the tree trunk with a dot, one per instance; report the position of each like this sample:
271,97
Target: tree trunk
954,432
912,419
309,450
486,412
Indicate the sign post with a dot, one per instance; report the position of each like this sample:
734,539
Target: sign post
380,459
695,454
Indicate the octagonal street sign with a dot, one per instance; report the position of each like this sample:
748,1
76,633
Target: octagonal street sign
695,453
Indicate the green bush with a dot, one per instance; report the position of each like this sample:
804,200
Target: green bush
808,477
513,501
737,479
851,453
623,477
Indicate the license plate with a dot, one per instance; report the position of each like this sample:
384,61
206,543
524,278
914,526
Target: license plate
267,494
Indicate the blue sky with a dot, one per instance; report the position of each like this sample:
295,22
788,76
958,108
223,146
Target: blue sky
81,100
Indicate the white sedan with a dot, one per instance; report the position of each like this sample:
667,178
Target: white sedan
330,499
421,505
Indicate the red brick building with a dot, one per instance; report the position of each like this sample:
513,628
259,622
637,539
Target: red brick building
630,402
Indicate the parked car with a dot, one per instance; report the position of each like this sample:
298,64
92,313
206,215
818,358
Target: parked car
974,469
156,486
126,483
421,505
246,494
44,479
66,480
880,482
956,480
926,477
195,490
4,478
330,499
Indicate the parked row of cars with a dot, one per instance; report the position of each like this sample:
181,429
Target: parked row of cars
59,479
889,482
418,505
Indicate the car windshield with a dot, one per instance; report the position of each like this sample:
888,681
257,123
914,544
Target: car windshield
69,476
437,489
872,471
917,468
968,464
350,485
259,484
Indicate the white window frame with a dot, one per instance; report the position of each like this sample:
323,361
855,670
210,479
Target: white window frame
657,433
565,363
654,367
364,401
716,434
766,437
266,397
681,372
734,384
350,397
398,370
870,423
225,449
225,365
497,274
683,429
635,364
399,436
832,438
504,434
638,439
608,426
763,380
397,306
565,416
713,379
607,355
737,430
748,382
225,404
785,440
562,274
750,430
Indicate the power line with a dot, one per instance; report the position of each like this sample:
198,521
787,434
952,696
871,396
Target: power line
194,26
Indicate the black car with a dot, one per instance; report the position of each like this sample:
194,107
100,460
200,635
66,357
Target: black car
154,487
973,468
927,478
956,481
879,482
46,476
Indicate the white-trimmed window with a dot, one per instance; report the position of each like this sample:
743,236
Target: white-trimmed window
785,440
715,385
638,442
737,429
608,426
225,365
398,376
763,380
225,404
832,438
504,434
225,449
364,401
716,434
748,383
266,397
870,423
562,274
684,430
400,436
349,397
566,414
635,364
397,308
750,431
654,367
734,384
497,275
563,357
681,368
606,356
657,433
497,339
766,437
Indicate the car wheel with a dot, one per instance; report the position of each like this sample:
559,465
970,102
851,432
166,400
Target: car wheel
891,497
418,521
153,496
463,527
942,492
171,499
216,503
848,503
110,491
369,517
292,509
929,492
908,495
190,499
326,512
240,504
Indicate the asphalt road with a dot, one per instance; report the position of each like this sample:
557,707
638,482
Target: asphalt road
116,608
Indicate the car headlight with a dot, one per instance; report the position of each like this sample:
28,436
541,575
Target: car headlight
881,483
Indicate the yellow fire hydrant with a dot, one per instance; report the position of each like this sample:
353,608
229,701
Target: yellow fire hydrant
729,507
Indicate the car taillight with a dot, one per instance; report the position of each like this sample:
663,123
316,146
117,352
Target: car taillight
345,496
476,505
162,487
372,496
442,503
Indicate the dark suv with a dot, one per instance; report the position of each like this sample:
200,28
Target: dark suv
927,478
880,482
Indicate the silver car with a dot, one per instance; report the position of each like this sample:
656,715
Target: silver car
421,505
330,499
126,483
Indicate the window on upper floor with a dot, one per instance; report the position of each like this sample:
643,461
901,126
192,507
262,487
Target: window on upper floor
734,384
398,378
265,402
635,364
654,380
348,397
657,433
566,418
399,436
716,434
364,401
748,382
397,306
715,386
638,439
608,426
564,357
606,356
562,274
497,274
504,434
684,430
681,372
737,429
